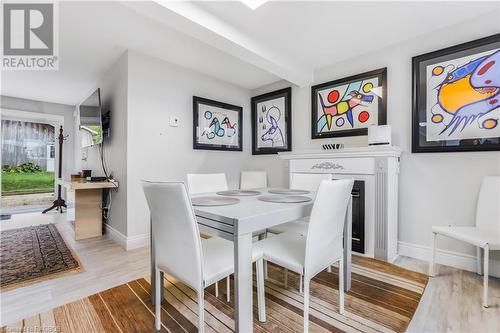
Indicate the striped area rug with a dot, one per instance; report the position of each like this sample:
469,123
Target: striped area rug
383,298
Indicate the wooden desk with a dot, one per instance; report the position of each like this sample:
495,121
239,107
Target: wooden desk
88,201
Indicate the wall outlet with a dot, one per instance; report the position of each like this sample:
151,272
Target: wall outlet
174,121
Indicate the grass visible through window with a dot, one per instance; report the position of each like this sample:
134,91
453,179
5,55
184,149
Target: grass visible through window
26,182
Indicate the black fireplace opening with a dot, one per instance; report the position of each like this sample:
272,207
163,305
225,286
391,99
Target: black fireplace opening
358,216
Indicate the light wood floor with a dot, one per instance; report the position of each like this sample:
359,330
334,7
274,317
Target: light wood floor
451,301
106,265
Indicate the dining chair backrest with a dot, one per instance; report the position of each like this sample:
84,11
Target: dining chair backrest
326,225
308,181
206,182
177,243
488,204
253,179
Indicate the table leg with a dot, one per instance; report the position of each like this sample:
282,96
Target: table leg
348,246
153,264
243,283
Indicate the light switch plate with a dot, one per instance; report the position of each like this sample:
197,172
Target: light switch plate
174,121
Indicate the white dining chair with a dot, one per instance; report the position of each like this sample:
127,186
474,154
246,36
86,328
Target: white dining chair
250,180
484,235
301,181
180,251
321,247
206,182
199,183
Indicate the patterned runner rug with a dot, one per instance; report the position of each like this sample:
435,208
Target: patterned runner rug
34,254
383,298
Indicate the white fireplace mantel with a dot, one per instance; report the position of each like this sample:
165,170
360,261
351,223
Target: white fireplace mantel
378,167
373,151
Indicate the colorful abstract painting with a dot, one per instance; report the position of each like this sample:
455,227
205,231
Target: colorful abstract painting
463,97
216,125
271,122
457,98
349,106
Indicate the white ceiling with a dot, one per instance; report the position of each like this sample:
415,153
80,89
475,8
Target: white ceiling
227,40
320,33
93,35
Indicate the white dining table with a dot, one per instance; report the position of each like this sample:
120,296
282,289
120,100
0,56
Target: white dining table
238,223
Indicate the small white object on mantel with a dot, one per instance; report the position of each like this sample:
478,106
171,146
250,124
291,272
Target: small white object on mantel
379,135
378,167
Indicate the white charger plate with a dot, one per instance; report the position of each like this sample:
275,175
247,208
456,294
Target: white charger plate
284,198
214,200
239,193
287,191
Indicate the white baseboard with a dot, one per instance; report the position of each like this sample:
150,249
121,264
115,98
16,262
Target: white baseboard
127,243
449,258
138,241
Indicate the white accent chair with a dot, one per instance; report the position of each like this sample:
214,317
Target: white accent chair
321,247
301,181
485,235
250,180
180,251
206,182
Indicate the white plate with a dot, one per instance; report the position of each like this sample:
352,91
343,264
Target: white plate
239,193
287,191
284,198
214,201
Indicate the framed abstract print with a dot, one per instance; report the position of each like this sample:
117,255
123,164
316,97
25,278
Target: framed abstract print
216,125
456,98
272,122
348,106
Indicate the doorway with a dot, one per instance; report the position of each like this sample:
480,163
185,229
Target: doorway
28,161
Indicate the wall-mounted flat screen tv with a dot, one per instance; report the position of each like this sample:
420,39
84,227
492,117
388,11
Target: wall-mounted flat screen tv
90,120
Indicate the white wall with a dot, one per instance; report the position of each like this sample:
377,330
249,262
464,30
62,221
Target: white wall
434,188
114,92
158,90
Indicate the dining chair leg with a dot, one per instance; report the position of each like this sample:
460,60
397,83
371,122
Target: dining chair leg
157,300
261,291
300,283
433,254
478,260
341,286
201,311
217,289
306,305
485,277
228,289
266,273
285,278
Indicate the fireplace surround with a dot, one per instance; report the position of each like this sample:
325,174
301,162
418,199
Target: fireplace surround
375,170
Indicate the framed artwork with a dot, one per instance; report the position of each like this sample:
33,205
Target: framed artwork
456,98
348,106
216,125
272,122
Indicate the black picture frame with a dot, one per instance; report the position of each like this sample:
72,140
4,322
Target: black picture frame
420,144
380,73
287,114
197,101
